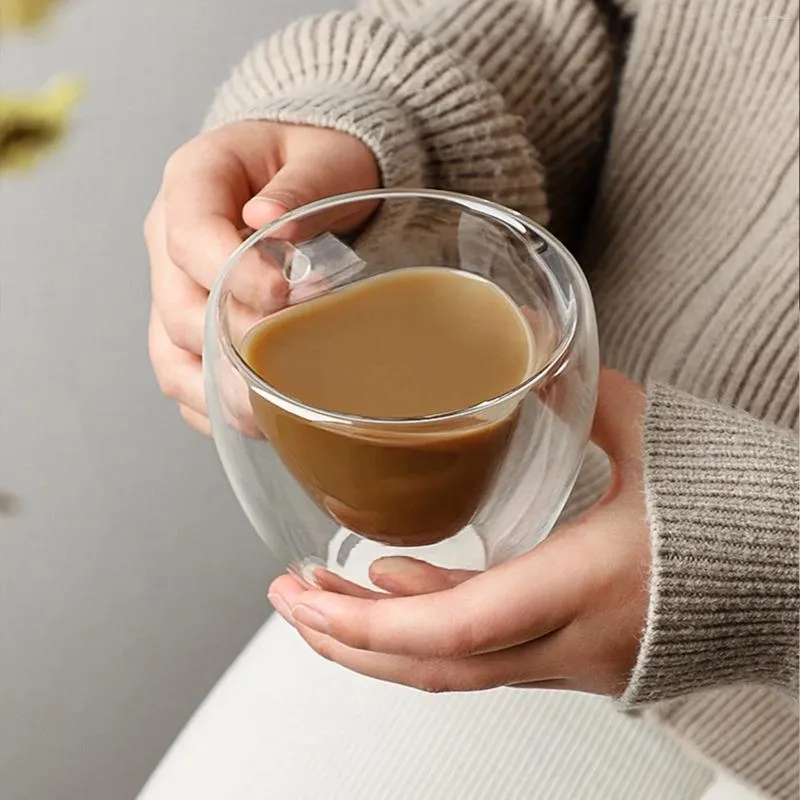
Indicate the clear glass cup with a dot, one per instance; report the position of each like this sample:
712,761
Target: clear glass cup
545,420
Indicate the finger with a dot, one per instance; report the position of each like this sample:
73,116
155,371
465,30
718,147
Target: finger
179,302
181,307
541,588
311,174
553,660
396,578
620,402
426,578
179,373
288,586
331,582
619,416
240,321
204,190
528,664
284,591
197,421
401,575
234,397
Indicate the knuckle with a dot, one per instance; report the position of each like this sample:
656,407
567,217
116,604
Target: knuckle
322,646
162,357
180,244
175,163
170,384
156,344
195,420
167,377
181,329
149,225
197,150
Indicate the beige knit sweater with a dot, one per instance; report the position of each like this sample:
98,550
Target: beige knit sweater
660,138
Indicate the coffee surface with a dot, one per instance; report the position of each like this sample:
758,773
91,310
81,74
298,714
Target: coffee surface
407,344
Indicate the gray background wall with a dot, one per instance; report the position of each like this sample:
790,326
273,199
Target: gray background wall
129,579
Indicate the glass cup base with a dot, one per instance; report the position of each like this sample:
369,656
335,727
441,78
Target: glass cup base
350,556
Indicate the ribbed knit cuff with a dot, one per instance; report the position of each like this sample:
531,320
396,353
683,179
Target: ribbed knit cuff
722,501
425,113
363,114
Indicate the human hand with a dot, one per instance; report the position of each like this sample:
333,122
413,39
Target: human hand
247,173
568,614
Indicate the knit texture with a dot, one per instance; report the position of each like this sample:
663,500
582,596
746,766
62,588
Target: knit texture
426,113
721,495
676,123
747,728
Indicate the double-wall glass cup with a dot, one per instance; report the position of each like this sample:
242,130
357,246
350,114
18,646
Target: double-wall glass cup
464,489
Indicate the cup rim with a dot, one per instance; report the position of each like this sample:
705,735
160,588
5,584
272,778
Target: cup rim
556,362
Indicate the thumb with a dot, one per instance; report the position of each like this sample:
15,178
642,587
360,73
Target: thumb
290,188
315,170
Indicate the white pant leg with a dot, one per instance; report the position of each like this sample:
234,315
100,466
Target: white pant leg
727,788
284,724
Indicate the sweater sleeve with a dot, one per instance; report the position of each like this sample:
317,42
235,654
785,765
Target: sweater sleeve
722,499
487,97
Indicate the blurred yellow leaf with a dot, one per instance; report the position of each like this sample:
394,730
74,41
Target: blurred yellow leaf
32,125
23,14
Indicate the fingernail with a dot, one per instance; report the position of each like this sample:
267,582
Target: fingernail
311,618
395,565
281,606
279,208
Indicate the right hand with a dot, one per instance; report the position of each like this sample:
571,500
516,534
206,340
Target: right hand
247,172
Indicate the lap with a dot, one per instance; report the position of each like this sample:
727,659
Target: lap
284,724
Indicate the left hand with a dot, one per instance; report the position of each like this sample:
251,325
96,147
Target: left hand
569,614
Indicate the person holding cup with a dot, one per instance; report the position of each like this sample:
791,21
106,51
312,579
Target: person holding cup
669,167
